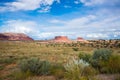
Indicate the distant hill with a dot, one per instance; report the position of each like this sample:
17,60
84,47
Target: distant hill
15,37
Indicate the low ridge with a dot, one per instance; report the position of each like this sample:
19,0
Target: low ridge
15,37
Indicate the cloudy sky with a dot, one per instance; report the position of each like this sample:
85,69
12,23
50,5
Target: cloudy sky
44,19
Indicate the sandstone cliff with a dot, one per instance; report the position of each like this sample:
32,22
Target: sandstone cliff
61,39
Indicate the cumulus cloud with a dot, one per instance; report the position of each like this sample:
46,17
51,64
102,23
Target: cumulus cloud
28,5
80,22
56,21
90,26
20,26
99,2
97,36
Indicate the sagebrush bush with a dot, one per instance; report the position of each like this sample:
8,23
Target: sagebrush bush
99,56
7,60
102,54
76,70
85,57
105,62
35,66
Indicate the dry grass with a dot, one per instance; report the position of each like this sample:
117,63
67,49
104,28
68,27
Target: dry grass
41,78
17,50
32,49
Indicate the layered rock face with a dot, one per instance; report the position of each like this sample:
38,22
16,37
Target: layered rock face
61,39
15,37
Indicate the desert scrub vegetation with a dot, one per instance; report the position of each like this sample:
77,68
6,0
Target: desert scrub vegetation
57,55
35,66
102,54
19,75
99,57
112,65
57,70
7,60
78,69
76,49
85,56
103,60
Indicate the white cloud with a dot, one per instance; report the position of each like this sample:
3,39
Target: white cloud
97,36
80,22
44,9
99,2
20,26
27,5
92,2
90,26
56,21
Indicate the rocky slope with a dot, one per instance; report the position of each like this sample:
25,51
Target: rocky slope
15,37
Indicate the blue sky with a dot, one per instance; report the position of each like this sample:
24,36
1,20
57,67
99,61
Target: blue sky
44,19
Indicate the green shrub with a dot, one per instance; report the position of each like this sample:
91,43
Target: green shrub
45,68
7,60
105,62
77,70
99,57
102,54
85,57
112,65
75,49
35,66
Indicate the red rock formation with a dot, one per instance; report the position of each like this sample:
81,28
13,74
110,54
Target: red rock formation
61,39
80,39
15,37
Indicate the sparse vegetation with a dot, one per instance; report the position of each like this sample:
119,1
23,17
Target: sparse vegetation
86,57
21,60
112,65
35,66
58,71
78,70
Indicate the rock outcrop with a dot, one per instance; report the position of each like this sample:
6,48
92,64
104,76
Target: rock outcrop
61,39
15,37
80,39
